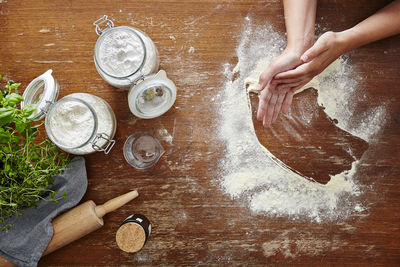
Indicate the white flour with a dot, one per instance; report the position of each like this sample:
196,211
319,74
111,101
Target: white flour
75,123
251,172
72,123
121,53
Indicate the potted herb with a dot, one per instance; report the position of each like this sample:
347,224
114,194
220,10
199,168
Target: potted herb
28,160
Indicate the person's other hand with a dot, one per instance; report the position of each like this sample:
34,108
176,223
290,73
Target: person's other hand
275,97
327,49
272,102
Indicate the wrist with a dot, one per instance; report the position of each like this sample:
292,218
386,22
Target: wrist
300,45
295,50
346,40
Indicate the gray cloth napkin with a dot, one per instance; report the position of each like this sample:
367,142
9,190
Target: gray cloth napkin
25,243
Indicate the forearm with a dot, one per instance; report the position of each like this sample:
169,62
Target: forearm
384,23
300,24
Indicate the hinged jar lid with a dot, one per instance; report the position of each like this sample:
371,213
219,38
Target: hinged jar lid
119,51
153,96
42,92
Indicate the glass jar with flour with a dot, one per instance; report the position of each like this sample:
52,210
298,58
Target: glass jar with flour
123,54
127,58
78,123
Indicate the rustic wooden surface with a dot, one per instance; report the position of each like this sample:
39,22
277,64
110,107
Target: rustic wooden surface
194,222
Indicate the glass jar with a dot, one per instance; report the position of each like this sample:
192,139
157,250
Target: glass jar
142,150
123,54
78,123
152,96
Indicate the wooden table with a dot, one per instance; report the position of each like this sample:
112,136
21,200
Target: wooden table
194,222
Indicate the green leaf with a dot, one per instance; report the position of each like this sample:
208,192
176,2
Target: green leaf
4,136
6,115
13,99
19,126
28,110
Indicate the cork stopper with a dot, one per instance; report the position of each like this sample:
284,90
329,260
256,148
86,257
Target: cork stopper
130,237
133,233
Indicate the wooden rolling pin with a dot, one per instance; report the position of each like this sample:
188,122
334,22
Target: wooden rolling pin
79,222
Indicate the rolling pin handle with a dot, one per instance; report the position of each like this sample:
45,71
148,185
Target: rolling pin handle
115,203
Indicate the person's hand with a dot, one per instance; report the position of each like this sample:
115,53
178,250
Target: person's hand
275,97
272,102
327,49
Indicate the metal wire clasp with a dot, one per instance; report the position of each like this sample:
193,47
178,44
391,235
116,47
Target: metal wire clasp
103,19
46,108
135,81
109,143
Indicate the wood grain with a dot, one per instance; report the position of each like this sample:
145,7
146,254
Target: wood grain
193,221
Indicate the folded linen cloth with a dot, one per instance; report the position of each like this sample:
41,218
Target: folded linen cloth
26,241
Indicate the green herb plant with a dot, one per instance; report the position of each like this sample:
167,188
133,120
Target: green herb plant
27,160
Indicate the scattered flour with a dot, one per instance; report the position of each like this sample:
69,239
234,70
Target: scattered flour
251,172
164,135
291,243
191,50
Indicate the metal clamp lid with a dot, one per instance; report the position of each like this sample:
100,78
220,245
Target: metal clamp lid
102,20
109,143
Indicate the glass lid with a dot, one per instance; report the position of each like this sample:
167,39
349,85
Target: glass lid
152,97
120,52
71,123
42,92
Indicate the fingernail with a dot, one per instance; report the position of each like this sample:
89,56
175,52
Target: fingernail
304,58
258,88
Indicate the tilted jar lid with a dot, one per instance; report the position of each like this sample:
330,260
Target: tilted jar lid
153,96
42,91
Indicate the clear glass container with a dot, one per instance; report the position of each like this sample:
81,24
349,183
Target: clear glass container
123,54
142,150
152,96
78,123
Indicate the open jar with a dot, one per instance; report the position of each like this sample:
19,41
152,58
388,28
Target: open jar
123,54
78,123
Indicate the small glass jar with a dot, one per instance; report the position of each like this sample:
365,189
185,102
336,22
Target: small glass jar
152,96
142,150
78,123
123,54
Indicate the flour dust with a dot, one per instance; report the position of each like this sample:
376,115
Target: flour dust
250,172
